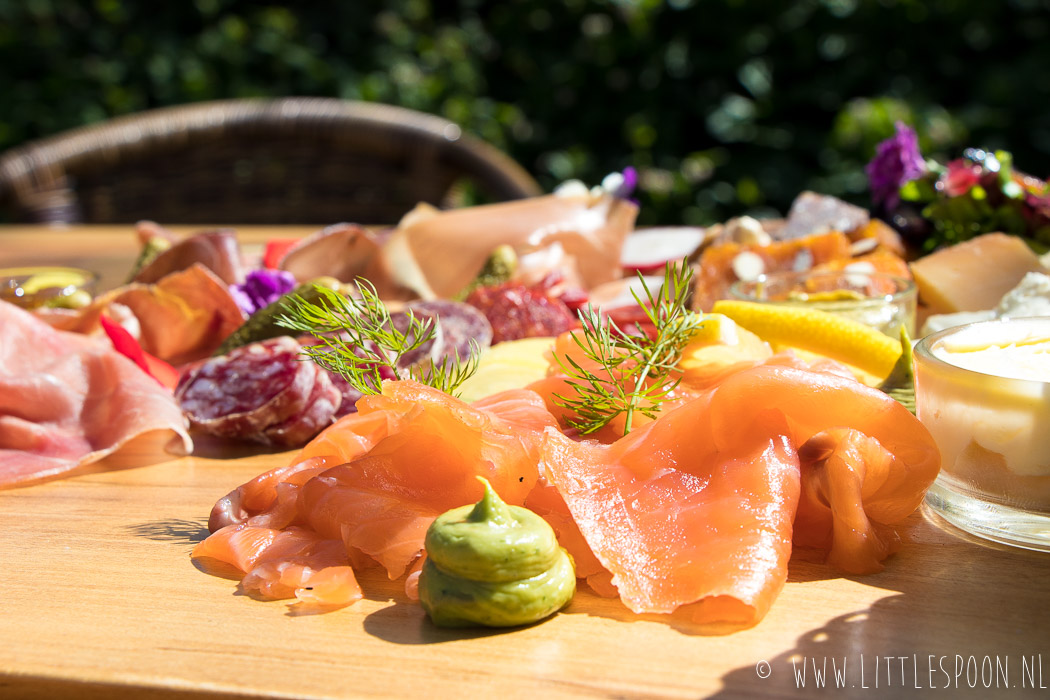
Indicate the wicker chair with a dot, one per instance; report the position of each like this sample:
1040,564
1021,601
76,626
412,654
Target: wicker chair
291,160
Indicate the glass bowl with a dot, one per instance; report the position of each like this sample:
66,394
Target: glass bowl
983,392
57,287
877,299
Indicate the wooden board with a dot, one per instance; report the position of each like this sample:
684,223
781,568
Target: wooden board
99,599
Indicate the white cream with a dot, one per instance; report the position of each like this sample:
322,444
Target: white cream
1008,418
1031,297
1016,350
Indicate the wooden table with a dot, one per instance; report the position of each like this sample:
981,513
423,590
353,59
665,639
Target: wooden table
99,599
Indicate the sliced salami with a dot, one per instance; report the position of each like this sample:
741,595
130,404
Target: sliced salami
321,407
516,311
457,324
261,392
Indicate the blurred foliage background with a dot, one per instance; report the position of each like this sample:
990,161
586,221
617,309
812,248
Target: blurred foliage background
724,106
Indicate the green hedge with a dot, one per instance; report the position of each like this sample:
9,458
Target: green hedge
725,106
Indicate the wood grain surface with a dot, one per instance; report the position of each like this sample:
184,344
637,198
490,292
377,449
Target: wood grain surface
99,599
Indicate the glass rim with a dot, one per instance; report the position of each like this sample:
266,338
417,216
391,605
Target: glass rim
906,287
89,276
923,348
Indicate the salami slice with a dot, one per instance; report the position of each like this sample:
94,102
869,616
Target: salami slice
516,311
457,324
321,407
252,388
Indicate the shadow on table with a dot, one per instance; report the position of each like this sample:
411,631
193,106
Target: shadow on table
404,622
967,619
177,530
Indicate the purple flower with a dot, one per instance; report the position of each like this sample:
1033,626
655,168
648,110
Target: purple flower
261,288
621,185
630,181
897,161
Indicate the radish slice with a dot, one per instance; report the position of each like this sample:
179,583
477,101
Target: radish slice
648,250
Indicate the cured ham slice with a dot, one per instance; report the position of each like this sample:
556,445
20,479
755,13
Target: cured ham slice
438,253
218,251
68,400
182,318
342,251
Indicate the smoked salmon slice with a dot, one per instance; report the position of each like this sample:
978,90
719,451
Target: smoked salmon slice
290,563
698,508
369,486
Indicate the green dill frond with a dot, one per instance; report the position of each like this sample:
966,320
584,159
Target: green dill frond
358,339
636,371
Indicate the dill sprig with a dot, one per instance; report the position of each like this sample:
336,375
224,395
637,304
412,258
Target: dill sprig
358,340
636,371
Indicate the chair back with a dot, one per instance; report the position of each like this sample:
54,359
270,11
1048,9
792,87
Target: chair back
256,161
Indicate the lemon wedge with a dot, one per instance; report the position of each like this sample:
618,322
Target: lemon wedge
815,331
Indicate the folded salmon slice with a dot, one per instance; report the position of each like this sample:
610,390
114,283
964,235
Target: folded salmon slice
679,519
698,508
382,502
290,563
405,457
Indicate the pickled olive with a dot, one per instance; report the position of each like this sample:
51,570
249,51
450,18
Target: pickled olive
494,565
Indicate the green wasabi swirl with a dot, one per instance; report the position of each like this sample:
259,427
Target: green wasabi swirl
494,565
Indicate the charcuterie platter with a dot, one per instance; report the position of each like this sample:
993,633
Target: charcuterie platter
100,567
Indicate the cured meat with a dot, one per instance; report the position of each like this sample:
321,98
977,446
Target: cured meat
438,253
406,456
457,325
262,392
182,318
516,311
218,251
343,251
68,400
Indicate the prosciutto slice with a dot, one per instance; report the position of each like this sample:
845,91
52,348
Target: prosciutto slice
182,318
218,251
68,400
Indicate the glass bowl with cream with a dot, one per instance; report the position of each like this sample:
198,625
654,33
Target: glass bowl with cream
877,299
983,391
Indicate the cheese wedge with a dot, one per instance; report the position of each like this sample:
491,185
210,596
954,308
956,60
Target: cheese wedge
973,275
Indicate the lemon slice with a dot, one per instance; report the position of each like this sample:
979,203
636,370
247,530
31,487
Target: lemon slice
816,331
53,278
716,328
509,365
